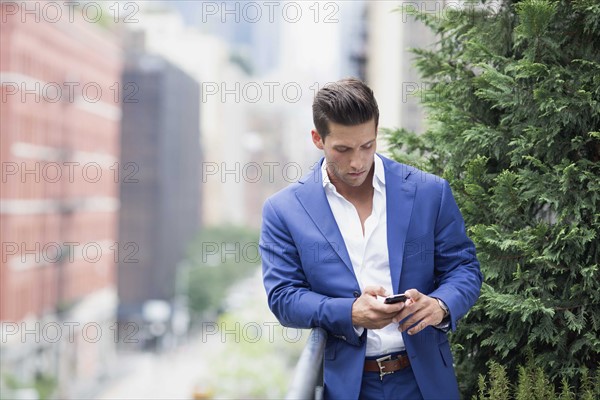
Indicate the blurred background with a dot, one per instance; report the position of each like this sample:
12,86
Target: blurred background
138,143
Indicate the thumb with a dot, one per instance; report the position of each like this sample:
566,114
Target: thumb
413,294
375,291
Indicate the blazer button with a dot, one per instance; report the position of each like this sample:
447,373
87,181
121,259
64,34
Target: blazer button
356,294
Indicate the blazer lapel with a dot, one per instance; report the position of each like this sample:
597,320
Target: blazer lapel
311,195
400,196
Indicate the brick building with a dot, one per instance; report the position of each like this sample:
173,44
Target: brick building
60,143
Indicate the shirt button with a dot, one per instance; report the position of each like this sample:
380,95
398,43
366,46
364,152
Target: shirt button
356,293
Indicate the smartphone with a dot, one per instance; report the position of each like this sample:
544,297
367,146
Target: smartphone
397,298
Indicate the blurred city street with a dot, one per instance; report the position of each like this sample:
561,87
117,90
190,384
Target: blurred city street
208,364
176,374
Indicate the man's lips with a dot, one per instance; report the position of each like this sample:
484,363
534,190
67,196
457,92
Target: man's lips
355,174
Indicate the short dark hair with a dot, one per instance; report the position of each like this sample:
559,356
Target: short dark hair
347,102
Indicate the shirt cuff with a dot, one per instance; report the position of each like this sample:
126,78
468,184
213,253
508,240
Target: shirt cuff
359,330
444,326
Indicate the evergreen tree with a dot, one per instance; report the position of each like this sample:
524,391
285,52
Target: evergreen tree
532,384
513,100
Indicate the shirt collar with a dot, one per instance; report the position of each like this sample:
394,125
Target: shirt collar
378,176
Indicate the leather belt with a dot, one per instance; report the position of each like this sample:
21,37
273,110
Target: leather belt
387,364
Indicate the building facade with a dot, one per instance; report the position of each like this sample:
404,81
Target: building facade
160,206
391,70
60,145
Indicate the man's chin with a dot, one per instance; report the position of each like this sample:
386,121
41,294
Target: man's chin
356,182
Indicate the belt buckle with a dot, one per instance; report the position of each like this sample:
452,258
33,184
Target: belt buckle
383,373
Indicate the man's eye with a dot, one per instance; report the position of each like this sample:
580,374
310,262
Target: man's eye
368,146
342,150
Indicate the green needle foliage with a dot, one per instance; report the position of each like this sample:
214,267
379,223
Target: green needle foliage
513,100
532,384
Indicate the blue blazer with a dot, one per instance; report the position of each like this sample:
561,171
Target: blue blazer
310,281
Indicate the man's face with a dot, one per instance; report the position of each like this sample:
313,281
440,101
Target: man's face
349,153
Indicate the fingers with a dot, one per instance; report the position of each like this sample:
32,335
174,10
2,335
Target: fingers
419,313
409,308
387,310
416,323
414,294
418,328
391,310
416,314
375,291
370,313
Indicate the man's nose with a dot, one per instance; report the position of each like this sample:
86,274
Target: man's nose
356,162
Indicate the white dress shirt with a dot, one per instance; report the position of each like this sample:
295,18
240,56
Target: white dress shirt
369,252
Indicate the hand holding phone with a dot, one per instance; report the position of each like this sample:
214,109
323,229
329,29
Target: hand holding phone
397,298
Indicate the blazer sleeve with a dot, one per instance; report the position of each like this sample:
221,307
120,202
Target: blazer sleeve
289,294
458,277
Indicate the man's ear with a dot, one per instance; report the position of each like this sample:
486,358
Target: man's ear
316,138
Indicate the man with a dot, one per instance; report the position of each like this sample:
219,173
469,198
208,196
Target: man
361,227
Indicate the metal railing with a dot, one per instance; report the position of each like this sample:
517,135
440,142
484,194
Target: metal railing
308,377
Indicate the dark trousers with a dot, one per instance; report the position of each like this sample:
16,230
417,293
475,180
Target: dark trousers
401,385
